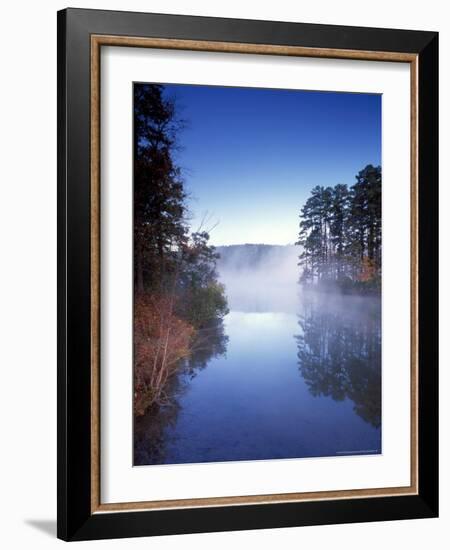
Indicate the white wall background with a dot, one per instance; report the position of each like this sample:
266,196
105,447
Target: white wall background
28,272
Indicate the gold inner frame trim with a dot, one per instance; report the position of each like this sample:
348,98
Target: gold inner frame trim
97,41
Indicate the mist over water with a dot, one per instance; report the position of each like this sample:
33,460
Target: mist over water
260,278
290,374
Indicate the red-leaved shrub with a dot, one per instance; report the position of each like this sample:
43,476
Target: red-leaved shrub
161,340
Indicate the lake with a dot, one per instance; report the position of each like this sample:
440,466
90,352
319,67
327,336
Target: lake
288,374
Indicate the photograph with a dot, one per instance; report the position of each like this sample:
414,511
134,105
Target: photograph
224,297
257,274
247,271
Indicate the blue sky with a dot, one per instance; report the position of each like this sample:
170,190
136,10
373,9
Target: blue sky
250,157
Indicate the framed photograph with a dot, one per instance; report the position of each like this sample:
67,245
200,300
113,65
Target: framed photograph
247,252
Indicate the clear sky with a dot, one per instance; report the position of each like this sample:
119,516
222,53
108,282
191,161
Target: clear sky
250,157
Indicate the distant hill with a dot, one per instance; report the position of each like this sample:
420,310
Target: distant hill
254,256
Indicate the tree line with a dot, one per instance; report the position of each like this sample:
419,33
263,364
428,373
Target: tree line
340,235
176,288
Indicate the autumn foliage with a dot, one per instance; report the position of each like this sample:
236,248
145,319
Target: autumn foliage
161,340
368,270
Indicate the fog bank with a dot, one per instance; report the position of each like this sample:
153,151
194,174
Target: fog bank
260,278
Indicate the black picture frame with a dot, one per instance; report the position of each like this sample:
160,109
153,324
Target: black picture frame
75,518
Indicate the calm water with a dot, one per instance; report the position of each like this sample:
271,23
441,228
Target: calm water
288,375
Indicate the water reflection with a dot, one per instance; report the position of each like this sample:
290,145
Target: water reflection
210,342
240,396
151,437
339,351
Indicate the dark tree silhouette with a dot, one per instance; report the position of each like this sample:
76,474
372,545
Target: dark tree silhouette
160,227
176,285
340,235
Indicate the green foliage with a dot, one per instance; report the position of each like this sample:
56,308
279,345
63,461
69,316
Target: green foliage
204,297
205,304
340,232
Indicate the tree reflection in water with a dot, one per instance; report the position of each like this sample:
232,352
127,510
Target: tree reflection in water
150,430
339,351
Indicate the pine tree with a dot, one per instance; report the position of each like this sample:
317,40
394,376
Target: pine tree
160,227
339,226
340,232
